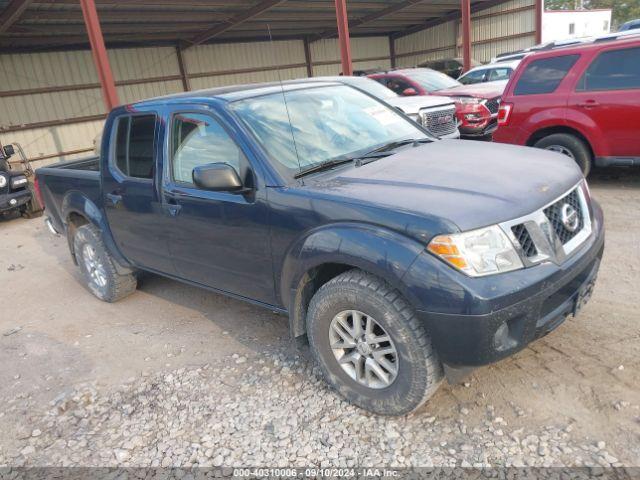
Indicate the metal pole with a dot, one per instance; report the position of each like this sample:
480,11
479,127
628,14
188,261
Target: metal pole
392,51
100,58
343,37
307,57
184,75
465,5
539,13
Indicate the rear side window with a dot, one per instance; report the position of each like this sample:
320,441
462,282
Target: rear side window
613,70
544,75
135,142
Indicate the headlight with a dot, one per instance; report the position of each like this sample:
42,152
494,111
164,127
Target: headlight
485,251
3,181
468,100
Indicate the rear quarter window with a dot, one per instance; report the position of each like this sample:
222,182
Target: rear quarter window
544,75
613,70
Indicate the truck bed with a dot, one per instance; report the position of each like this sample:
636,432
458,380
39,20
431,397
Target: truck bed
65,178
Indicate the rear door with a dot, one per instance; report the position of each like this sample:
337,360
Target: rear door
219,239
608,93
130,189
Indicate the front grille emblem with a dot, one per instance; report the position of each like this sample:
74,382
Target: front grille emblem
569,217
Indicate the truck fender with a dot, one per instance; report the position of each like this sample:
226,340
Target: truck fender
75,202
379,251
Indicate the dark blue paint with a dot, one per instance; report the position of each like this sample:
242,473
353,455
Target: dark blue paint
258,245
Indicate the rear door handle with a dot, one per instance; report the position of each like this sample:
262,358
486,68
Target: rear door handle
114,199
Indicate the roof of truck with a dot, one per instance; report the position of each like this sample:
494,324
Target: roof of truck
236,92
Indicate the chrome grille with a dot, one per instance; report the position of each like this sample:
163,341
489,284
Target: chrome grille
439,122
493,105
553,232
554,214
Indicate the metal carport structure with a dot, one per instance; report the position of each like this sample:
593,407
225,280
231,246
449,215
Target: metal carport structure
40,25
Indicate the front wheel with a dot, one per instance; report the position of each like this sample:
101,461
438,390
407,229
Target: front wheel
370,345
98,267
568,145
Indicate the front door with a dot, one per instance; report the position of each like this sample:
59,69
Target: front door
130,188
220,239
609,94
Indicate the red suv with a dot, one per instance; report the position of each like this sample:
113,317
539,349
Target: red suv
582,101
476,105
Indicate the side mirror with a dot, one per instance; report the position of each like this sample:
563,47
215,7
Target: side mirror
8,150
217,177
409,92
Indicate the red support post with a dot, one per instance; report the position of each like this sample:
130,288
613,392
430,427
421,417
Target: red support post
465,6
99,52
343,37
539,13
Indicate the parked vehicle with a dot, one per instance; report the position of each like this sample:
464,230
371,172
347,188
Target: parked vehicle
630,25
582,101
476,105
435,113
453,67
16,192
520,54
396,255
489,73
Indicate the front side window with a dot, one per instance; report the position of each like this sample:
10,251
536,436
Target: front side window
135,145
613,70
398,85
473,77
544,75
198,139
320,124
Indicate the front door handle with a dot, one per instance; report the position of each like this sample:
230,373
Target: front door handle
172,209
114,199
589,104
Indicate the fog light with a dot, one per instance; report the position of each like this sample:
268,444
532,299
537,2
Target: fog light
502,340
12,202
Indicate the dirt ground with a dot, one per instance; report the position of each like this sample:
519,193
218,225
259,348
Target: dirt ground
54,335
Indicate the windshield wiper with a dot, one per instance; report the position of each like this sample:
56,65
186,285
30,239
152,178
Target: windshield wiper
323,166
385,150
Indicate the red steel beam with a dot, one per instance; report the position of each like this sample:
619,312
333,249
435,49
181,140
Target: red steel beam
236,20
12,13
539,11
343,37
99,52
465,6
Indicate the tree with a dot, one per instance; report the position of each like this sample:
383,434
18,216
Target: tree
623,11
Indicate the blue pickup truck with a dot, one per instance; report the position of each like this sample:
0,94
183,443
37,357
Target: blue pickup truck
403,259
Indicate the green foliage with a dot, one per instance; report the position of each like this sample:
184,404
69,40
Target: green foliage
623,11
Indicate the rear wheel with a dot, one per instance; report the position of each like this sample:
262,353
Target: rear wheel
370,345
98,267
569,145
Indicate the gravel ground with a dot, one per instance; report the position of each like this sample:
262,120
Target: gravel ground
174,376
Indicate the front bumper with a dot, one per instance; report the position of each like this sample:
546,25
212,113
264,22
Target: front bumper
482,129
500,315
13,200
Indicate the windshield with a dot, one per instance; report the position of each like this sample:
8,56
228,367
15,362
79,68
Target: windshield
327,123
431,80
374,88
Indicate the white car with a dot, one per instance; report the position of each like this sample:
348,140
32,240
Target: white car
435,113
492,72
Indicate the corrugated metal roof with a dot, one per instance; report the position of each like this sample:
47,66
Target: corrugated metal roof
58,24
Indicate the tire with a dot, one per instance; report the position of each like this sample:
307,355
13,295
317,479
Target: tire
569,145
98,267
418,369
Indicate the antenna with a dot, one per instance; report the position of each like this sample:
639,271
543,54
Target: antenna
284,98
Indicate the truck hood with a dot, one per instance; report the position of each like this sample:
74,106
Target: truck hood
465,183
413,105
478,90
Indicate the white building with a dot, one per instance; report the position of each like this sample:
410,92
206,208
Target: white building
565,24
